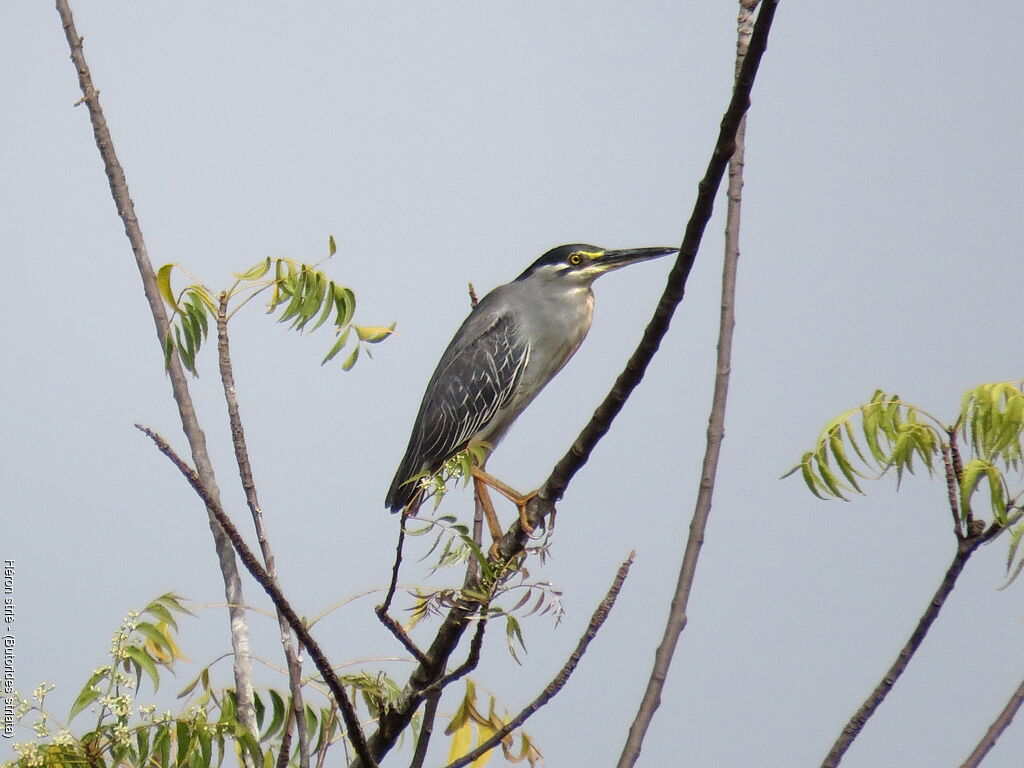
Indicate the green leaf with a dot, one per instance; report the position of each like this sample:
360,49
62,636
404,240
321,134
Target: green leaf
325,311
351,361
160,612
142,741
255,272
203,677
828,478
86,696
333,351
514,637
809,479
332,248
277,703
162,743
839,454
163,284
159,638
972,474
143,664
184,739
374,334
345,301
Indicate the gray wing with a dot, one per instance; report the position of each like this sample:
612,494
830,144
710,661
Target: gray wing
477,376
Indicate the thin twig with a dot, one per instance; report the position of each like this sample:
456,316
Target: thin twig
951,488
286,741
677,616
556,685
382,610
958,472
396,567
472,659
426,729
355,732
400,634
393,722
179,383
227,378
995,730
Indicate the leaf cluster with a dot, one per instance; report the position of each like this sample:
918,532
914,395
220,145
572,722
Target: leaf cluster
455,545
458,468
301,294
203,733
888,433
892,433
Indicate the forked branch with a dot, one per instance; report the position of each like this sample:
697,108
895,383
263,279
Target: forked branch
556,685
179,384
348,713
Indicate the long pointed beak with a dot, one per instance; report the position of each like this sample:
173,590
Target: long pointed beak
606,261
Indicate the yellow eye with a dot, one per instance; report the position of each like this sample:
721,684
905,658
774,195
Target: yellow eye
574,259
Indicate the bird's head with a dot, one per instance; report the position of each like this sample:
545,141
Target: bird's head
582,264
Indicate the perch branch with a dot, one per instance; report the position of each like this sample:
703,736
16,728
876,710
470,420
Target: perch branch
393,722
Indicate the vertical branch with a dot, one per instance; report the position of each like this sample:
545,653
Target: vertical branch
716,431
952,488
995,730
227,378
179,384
426,730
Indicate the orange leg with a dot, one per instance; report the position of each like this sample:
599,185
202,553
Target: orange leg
488,507
481,479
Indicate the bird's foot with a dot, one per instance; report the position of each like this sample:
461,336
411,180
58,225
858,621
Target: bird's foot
524,521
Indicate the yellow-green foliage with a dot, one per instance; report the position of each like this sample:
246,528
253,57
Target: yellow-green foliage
981,446
301,293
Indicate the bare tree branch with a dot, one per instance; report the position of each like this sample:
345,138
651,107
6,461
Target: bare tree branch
394,721
179,384
677,617
556,685
995,730
270,586
227,378
400,634
426,729
965,548
393,585
472,659
286,741
952,489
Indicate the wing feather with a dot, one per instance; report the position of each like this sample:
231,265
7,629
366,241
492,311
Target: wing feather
476,377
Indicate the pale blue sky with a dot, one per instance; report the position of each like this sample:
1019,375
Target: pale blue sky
456,142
